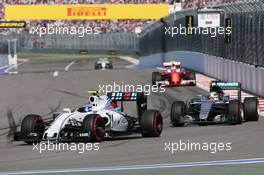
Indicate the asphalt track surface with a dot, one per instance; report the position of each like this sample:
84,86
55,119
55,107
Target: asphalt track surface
36,90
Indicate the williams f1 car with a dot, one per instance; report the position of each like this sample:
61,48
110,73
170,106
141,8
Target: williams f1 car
103,63
102,117
216,108
173,74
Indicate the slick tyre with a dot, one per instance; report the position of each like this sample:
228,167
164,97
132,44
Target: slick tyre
151,123
110,65
251,109
95,125
192,76
95,66
178,110
234,112
156,76
32,123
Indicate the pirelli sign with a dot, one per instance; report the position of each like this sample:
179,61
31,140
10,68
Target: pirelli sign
86,11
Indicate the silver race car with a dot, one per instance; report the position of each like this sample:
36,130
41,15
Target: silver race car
215,108
102,117
103,63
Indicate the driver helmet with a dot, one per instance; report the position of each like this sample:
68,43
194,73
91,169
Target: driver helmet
216,93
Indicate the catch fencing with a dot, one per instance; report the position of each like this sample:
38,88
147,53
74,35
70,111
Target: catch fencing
109,41
247,39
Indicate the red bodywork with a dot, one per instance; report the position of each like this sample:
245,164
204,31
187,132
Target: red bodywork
175,75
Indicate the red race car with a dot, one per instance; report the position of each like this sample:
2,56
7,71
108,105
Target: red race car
174,75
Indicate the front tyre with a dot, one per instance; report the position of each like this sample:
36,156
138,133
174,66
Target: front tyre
110,65
156,77
32,123
95,125
151,123
251,109
96,66
178,110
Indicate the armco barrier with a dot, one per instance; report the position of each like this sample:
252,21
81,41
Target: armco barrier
217,67
3,55
3,63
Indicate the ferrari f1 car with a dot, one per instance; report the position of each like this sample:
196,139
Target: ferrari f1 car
102,117
174,75
216,108
103,63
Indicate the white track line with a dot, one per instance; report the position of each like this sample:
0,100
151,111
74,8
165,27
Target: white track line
23,61
68,66
130,59
141,167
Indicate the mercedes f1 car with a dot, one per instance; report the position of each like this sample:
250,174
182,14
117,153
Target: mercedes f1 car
216,108
102,117
174,75
103,63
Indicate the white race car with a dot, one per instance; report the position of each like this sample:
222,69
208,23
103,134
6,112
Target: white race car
103,63
100,118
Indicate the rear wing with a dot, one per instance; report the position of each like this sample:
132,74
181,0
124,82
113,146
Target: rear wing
234,85
124,96
139,97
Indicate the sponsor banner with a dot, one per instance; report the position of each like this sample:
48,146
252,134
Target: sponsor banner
12,24
189,24
90,11
228,37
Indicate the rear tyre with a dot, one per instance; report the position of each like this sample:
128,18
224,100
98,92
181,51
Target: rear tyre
151,123
234,112
251,109
192,76
178,110
156,76
95,125
32,123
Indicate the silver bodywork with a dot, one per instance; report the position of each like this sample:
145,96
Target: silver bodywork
206,106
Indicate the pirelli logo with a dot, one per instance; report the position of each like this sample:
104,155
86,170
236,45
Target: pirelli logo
12,24
86,11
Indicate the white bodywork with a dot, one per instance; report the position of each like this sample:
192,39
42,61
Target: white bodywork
103,62
97,105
